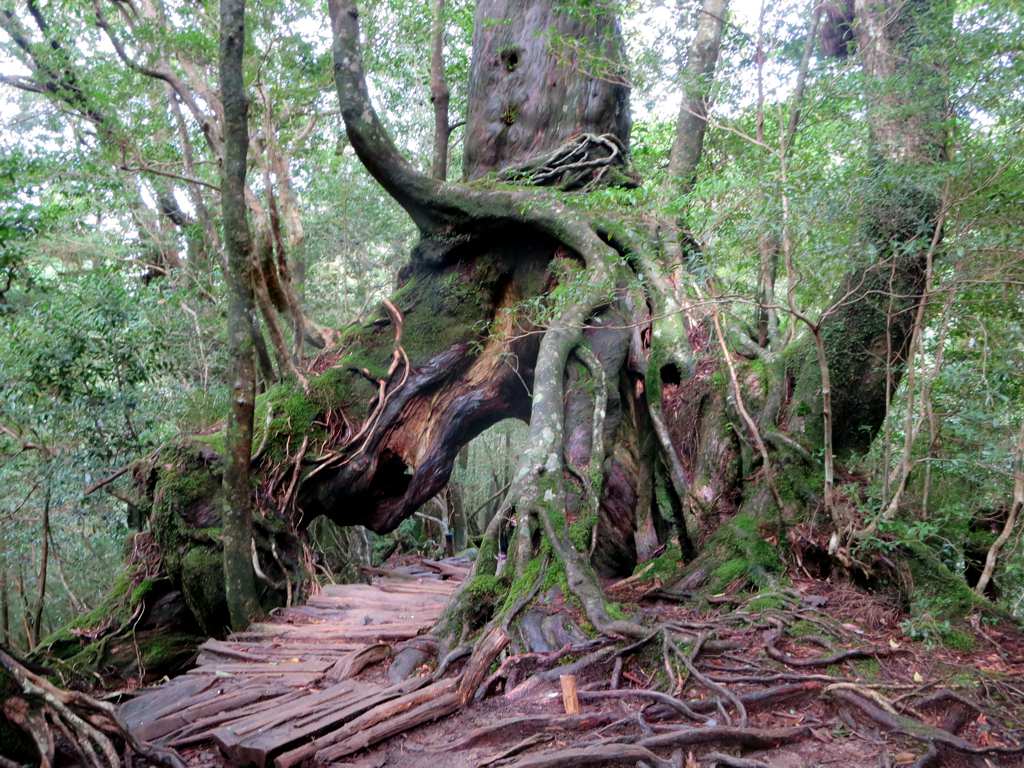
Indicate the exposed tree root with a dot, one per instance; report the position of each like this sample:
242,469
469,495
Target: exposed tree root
772,649
907,726
57,720
643,749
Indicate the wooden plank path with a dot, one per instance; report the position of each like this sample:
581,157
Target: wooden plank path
287,691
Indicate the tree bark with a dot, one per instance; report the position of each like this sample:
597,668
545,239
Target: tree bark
374,436
5,607
697,80
1016,505
538,76
44,562
899,222
239,580
439,95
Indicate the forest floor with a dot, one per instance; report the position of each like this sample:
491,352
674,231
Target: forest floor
820,674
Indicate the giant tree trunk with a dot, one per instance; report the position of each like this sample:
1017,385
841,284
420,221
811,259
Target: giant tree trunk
630,431
540,74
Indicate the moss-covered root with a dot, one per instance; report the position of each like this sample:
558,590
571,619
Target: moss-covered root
582,581
737,555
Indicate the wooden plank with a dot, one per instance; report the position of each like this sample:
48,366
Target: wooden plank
322,728
436,700
570,699
398,592
285,686
418,587
428,711
447,569
145,713
259,748
285,667
331,631
232,737
260,698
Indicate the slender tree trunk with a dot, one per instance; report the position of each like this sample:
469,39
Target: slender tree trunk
77,603
439,95
36,620
5,607
239,579
1011,518
26,609
697,80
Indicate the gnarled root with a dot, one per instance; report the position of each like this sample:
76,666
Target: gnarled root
643,749
56,718
937,739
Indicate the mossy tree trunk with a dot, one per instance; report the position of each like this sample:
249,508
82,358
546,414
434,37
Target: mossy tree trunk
239,580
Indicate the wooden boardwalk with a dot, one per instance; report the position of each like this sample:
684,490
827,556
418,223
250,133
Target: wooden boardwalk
290,691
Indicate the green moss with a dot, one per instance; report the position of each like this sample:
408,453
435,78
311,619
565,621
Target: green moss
615,611
202,583
799,485
581,530
521,586
213,533
187,485
958,640
67,650
291,415
113,604
664,567
938,592
167,651
445,308
480,598
766,602
215,441
867,669
964,678
730,570
804,628
487,556
144,588
741,553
